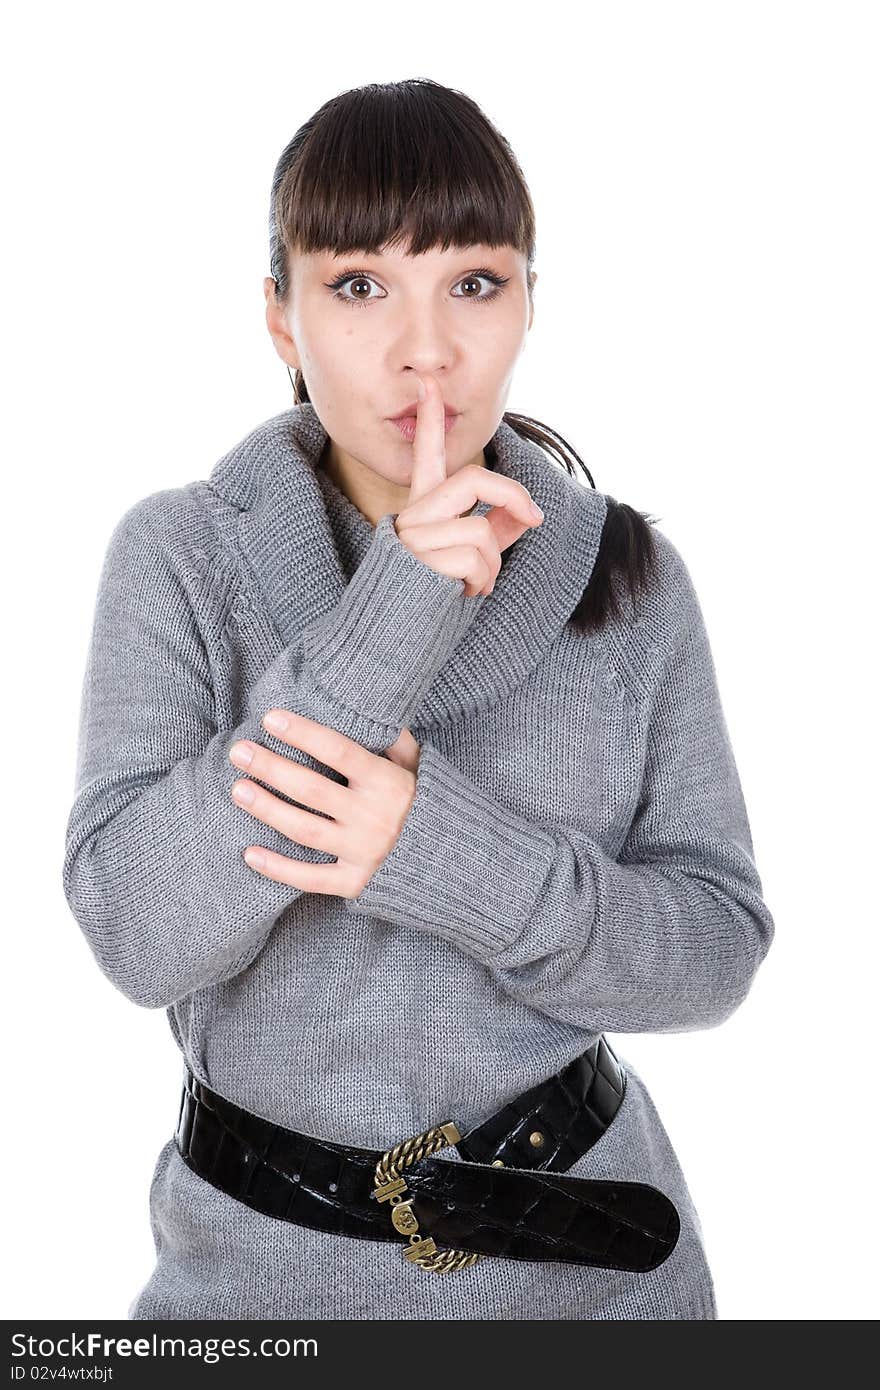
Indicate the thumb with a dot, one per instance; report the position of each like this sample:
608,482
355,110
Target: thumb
405,751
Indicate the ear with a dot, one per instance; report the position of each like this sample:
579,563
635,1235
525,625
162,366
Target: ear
277,326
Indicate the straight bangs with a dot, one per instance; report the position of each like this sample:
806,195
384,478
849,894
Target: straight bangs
388,165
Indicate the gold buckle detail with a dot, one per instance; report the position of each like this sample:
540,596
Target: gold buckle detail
389,1186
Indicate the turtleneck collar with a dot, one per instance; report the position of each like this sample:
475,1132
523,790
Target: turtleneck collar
284,500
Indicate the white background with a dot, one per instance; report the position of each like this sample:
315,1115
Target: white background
706,335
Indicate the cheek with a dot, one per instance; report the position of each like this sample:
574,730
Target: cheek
338,373
332,339
495,352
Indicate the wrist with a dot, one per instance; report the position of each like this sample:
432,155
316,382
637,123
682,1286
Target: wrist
394,627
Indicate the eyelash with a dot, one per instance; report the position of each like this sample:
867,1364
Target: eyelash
483,273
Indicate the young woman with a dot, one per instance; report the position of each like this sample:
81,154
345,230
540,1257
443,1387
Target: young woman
397,793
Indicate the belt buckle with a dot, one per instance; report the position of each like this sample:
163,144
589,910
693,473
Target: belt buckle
389,1186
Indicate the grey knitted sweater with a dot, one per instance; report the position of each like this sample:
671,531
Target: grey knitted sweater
577,859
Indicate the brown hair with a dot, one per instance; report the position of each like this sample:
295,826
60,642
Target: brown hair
420,162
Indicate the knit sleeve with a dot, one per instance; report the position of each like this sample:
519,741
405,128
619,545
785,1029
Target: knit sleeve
667,937
153,866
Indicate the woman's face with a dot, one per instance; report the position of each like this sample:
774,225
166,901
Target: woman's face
360,341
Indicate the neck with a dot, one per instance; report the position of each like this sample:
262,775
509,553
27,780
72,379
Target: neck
372,494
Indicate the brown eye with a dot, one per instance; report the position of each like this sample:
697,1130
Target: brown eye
360,284
499,281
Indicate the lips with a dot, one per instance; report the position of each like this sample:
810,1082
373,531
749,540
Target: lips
410,412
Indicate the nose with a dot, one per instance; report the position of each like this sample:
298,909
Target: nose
425,343
410,371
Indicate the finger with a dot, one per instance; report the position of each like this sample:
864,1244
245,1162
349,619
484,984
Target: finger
301,783
327,745
476,531
463,489
463,562
297,824
310,878
429,443
507,528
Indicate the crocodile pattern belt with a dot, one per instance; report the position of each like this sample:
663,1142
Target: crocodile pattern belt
508,1198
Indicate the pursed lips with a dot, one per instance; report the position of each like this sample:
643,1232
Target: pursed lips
412,413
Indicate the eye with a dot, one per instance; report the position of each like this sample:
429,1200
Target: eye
499,281
360,280
352,277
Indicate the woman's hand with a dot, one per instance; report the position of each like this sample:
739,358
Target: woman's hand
367,815
431,524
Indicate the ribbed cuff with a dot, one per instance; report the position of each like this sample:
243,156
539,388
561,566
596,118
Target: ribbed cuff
395,626
463,867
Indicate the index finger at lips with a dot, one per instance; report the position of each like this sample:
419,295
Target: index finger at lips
470,485
429,443
327,745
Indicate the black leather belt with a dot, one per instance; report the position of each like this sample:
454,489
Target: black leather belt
508,1197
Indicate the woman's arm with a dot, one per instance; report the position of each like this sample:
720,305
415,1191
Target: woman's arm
153,868
667,938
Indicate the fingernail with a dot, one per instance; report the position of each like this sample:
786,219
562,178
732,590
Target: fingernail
420,389
241,754
243,792
536,512
255,857
276,722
